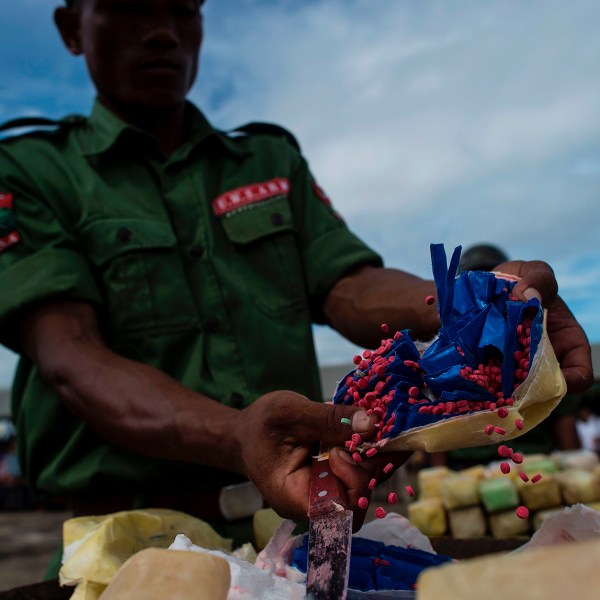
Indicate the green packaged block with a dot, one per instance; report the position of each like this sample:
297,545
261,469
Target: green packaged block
498,493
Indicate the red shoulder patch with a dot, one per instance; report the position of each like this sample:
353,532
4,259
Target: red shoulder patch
9,235
324,198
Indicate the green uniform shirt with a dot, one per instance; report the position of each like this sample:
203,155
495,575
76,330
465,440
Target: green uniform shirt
210,265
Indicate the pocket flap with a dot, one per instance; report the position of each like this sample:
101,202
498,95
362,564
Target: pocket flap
260,220
108,238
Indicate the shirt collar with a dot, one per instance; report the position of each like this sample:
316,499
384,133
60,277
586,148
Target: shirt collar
106,129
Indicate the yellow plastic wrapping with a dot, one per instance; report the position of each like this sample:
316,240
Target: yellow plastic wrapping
534,400
96,547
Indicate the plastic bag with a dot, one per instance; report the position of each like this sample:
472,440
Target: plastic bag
489,375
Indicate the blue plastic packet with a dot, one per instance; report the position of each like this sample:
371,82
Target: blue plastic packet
490,373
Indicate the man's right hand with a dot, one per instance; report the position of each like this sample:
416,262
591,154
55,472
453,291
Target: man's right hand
281,428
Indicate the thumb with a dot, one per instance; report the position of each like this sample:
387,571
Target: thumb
334,423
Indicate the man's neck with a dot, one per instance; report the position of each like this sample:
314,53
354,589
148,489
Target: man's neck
166,127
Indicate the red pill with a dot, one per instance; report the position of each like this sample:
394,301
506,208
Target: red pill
502,413
356,457
410,491
388,468
504,451
522,512
429,300
371,452
536,478
499,430
489,429
372,483
413,391
523,476
519,423
392,498
380,512
363,503
384,327
505,468
517,458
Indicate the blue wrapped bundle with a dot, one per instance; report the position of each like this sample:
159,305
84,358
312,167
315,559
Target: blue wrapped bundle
489,374
375,566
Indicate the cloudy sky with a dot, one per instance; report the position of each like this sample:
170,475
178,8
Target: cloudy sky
424,120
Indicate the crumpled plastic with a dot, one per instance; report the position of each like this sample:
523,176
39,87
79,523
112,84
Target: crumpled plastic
482,324
248,582
576,523
96,546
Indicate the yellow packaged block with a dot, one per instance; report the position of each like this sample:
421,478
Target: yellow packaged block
157,574
467,523
96,547
459,491
430,481
507,524
543,494
428,516
566,571
579,485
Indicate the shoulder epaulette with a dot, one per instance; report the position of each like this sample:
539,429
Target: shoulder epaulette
68,121
268,129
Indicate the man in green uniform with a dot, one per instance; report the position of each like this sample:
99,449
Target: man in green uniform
159,280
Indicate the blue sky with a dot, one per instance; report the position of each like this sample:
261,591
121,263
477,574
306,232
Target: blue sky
428,121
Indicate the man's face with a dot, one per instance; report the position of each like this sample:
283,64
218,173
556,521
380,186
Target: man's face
141,54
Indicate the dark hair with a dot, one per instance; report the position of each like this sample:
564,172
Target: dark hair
482,257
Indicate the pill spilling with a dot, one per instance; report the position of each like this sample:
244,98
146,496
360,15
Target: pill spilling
522,512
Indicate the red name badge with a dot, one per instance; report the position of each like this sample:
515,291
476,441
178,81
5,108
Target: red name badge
233,200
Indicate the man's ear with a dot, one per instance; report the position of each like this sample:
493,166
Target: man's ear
68,23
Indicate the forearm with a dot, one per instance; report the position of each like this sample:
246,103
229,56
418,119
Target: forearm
130,404
360,302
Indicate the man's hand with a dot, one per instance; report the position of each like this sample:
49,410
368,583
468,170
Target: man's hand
568,339
281,428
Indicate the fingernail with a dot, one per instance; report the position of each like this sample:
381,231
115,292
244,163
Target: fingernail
531,292
361,422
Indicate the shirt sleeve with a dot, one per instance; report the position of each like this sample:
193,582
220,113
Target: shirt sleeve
44,262
329,249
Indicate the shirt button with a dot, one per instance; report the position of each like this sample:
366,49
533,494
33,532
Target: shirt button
212,325
237,400
196,252
124,234
277,219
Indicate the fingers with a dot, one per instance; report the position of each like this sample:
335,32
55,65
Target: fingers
568,339
571,347
304,421
537,280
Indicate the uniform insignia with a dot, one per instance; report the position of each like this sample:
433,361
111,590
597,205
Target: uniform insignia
242,197
8,225
324,198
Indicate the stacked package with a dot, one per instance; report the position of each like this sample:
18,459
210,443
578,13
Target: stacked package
482,500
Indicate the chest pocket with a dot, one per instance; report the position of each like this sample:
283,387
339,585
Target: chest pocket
266,263
141,275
